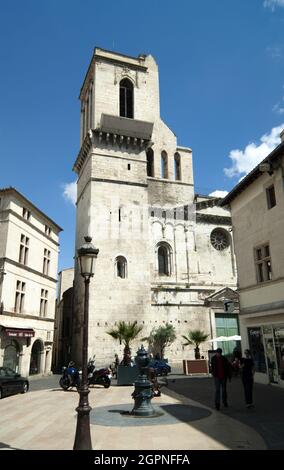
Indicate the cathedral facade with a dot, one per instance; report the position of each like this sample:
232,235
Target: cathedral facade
165,253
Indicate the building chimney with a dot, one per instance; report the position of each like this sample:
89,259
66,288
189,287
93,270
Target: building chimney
282,135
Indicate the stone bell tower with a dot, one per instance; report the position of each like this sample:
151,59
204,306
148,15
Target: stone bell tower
118,178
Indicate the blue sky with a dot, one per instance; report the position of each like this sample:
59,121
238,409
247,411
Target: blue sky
221,65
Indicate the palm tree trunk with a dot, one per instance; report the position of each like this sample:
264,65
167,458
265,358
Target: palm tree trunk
127,356
197,353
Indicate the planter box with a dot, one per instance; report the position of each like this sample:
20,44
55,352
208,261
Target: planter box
126,375
195,366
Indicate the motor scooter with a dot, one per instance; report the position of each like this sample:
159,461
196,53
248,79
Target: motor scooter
71,377
98,376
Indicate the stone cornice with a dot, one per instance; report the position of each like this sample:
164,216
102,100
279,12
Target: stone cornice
261,285
189,287
83,154
31,206
28,317
97,137
209,202
178,305
129,183
27,268
121,63
166,180
213,219
263,308
27,222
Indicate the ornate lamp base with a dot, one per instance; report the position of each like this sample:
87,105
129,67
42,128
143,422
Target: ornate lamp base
143,395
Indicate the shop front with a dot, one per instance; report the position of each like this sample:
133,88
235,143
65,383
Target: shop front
266,343
14,345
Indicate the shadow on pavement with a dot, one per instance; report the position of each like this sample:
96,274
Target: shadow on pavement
266,418
185,413
4,446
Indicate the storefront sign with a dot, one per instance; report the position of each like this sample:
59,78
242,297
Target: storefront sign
19,333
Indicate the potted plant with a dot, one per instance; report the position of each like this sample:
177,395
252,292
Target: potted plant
195,337
125,332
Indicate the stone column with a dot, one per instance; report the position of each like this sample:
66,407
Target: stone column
42,362
48,361
25,361
21,363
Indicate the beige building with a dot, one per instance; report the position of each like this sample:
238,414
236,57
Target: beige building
164,251
28,275
257,206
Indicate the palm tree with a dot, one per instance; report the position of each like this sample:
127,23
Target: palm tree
160,338
125,333
195,337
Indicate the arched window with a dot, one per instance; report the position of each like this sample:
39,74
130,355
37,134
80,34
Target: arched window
164,165
150,162
177,167
121,267
126,98
164,260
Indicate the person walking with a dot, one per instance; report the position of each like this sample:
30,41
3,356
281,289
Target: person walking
221,371
236,364
247,371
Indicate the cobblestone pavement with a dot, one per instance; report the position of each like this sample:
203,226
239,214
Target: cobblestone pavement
267,417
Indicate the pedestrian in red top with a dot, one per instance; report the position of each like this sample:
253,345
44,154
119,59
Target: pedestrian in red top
221,371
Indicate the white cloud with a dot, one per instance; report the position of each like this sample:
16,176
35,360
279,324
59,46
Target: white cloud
70,192
218,193
273,4
243,161
275,52
279,107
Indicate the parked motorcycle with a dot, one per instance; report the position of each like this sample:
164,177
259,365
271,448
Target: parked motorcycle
161,366
71,377
98,376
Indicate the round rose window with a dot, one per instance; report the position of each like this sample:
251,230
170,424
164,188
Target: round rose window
219,239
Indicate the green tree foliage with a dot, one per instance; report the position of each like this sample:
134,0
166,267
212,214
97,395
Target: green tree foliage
195,337
160,338
125,332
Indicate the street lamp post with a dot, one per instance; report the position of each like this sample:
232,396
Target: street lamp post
87,255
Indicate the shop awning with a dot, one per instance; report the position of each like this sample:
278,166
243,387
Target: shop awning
225,338
19,332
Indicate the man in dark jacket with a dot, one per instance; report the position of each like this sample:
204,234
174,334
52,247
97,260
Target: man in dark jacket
221,371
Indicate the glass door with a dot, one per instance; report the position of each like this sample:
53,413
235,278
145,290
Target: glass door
270,354
227,325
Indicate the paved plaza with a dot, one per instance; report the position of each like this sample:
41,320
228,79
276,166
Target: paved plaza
46,419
